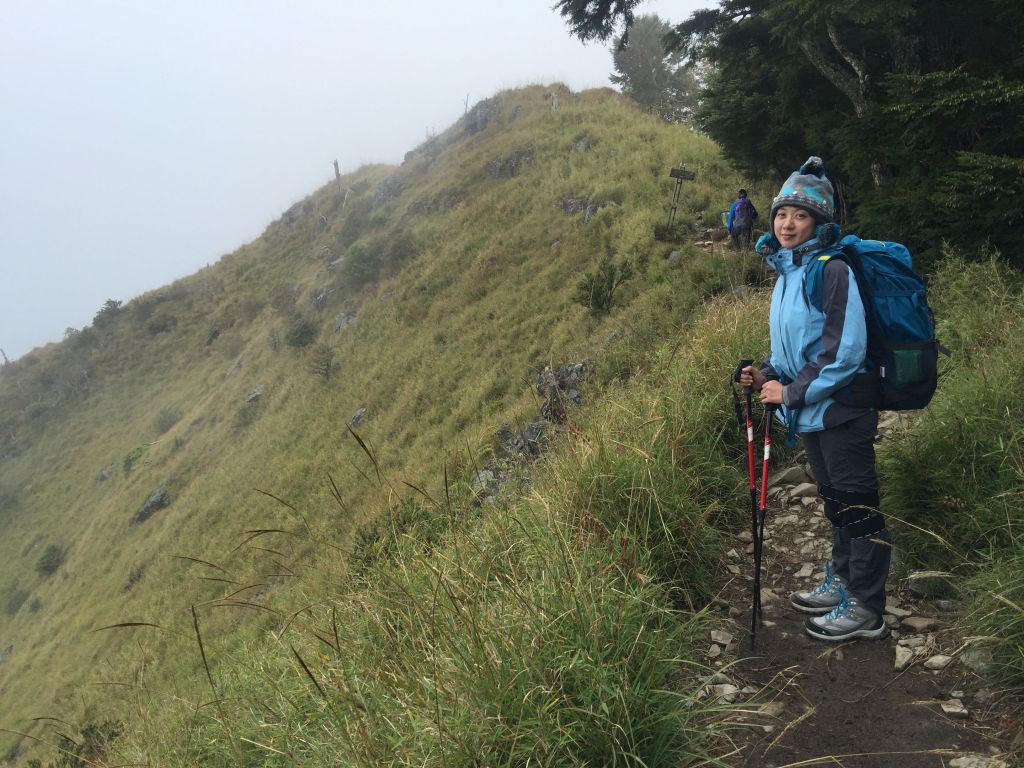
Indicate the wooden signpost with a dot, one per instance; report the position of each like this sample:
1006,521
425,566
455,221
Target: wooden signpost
680,174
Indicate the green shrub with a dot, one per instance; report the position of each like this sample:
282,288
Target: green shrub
361,265
132,457
247,414
301,332
357,220
597,289
51,559
111,308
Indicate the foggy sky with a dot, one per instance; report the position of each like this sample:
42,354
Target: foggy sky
143,139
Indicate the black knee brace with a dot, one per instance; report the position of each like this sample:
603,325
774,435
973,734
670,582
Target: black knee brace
854,511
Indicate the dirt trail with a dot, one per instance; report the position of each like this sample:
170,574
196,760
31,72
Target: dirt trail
804,702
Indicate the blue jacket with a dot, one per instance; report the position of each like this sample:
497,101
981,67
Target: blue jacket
814,353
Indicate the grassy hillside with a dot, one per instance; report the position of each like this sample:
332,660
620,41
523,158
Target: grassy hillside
458,270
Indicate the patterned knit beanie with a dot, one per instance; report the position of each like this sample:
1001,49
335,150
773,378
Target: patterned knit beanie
808,188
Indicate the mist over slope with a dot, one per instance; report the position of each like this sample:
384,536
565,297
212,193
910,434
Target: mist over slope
139,453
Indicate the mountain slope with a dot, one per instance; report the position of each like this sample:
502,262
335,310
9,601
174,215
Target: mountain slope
458,272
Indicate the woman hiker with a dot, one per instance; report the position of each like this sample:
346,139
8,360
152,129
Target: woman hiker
812,375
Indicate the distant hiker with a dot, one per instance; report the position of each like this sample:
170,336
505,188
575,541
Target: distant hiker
812,374
741,220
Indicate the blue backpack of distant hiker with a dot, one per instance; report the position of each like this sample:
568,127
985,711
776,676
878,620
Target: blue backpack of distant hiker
902,347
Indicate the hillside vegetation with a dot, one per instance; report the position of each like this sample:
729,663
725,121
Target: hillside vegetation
419,588
458,271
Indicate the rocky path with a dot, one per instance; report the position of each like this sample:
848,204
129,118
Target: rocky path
911,700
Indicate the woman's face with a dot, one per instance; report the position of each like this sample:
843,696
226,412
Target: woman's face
793,225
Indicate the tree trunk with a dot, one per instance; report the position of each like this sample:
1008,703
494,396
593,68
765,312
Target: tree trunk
852,80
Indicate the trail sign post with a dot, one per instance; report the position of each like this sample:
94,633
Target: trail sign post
680,174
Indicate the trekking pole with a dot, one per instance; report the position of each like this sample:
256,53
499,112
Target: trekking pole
762,510
748,393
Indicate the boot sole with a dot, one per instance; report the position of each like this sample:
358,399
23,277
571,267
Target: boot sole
866,634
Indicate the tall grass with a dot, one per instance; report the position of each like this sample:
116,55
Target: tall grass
525,639
955,480
562,627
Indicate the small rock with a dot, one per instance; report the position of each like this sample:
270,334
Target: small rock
978,761
977,659
806,571
714,651
914,641
921,623
722,638
726,692
733,569
892,622
733,554
792,475
357,418
938,661
804,490
904,656
719,678
955,708
924,584
984,696
745,536
898,611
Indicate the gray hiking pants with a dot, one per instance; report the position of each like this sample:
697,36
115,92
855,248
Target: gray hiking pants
843,462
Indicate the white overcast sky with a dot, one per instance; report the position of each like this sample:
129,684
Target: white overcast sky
143,139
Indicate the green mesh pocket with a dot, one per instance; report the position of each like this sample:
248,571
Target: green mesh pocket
908,366
908,375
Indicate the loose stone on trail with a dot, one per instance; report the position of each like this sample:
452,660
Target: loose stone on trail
921,623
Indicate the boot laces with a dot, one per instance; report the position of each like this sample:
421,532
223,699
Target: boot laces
828,585
842,609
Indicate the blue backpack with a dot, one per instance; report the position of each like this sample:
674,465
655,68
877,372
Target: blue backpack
902,347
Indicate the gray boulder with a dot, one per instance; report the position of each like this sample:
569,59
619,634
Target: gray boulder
158,499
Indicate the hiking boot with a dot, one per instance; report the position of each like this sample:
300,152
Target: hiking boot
823,598
847,621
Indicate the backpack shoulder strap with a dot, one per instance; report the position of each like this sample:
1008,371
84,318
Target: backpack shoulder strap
814,276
